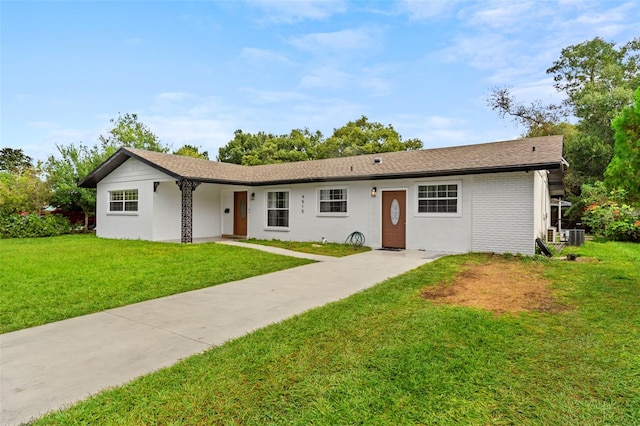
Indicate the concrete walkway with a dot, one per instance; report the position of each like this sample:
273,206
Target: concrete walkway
52,366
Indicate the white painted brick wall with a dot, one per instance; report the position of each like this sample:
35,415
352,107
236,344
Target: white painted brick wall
503,216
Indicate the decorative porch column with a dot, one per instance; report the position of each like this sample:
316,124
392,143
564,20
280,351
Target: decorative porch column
187,187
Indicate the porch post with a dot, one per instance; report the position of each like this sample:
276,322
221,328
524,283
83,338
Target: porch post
186,188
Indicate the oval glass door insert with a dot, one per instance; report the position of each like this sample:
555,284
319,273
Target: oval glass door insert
395,211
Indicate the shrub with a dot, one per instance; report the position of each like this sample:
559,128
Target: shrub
33,225
618,222
609,214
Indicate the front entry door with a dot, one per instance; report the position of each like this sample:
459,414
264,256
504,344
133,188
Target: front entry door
394,219
240,213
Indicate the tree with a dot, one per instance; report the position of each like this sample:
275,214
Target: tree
596,65
355,138
64,173
76,162
128,132
21,189
22,192
538,119
265,148
298,145
598,79
624,170
14,160
363,137
191,151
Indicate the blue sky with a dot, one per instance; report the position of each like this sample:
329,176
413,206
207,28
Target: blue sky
194,72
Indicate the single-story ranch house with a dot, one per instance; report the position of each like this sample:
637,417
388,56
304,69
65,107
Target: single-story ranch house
492,197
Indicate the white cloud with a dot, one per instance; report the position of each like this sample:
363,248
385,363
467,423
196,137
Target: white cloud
179,103
173,96
325,77
426,9
43,124
289,12
618,14
505,16
59,136
483,51
272,96
603,22
349,39
534,90
263,55
434,130
209,133
376,86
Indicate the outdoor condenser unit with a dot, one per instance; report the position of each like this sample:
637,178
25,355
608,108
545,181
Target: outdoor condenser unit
551,235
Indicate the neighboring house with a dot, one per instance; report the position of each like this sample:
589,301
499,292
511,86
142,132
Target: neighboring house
492,197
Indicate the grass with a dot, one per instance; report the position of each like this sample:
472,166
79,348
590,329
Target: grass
387,356
49,279
329,249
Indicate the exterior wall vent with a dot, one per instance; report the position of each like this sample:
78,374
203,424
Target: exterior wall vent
377,160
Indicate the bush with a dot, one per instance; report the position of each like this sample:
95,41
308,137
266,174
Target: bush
33,225
613,221
609,214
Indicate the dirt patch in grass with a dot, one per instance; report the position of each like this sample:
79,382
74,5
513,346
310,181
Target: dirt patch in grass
500,285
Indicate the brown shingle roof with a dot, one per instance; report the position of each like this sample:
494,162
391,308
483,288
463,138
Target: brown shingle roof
521,154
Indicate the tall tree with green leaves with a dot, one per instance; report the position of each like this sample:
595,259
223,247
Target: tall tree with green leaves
14,160
364,137
21,186
64,172
355,138
23,191
127,131
624,170
191,151
74,162
265,148
598,79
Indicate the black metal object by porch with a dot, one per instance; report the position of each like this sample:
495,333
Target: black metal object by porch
186,188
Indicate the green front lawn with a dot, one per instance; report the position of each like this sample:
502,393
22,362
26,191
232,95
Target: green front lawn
329,249
49,279
386,356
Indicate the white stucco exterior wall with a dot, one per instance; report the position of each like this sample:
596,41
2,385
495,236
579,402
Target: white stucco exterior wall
305,224
500,212
503,213
159,213
450,233
167,212
132,174
167,215
206,211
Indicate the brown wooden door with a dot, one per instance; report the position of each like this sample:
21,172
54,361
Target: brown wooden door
240,213
394,218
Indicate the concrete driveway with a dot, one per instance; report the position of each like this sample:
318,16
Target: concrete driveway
52,366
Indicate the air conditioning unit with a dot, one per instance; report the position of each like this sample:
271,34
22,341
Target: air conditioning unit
551,235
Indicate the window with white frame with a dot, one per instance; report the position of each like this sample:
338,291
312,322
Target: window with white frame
332,201
123,201
278,209
439,198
